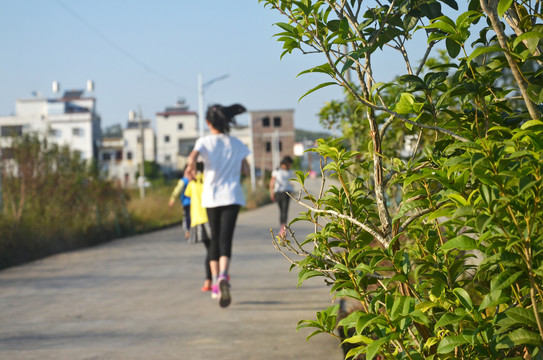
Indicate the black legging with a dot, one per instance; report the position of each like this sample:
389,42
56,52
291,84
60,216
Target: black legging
206,264
186,214
222,221
282,199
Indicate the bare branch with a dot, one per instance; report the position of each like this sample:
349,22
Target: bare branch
490,8
363,226
425,57
418,214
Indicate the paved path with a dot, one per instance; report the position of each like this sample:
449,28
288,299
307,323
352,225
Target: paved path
139,298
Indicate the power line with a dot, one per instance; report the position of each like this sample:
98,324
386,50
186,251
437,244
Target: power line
118,47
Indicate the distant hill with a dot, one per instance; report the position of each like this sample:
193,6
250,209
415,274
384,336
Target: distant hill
301,135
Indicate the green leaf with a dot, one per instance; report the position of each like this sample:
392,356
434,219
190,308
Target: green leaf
348,293
484,50
403,305
503,6
522,316
355,352
405,104
434,79
373,348
463,296
461,242
368,319
287,27
462,145
524,337
304,274
425,306
324,68
536,93
357,339
535,35
504,279
444,26
320,86
449,343
451,3
453,48
531,123
439,213
447,319
494,298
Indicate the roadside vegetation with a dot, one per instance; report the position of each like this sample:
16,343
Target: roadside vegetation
435,232
52,202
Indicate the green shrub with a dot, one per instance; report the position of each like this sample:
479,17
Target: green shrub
54,202
439,243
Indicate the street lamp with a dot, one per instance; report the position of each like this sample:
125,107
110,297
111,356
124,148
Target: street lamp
201,88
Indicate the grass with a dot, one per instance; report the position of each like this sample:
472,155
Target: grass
152,212
33,237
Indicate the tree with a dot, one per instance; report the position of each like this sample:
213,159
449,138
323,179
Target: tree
113,131
472,187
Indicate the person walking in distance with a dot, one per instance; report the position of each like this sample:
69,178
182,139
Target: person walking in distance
199,226
179,192
224,158
280,187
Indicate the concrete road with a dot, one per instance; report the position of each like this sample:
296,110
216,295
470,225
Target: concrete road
140,298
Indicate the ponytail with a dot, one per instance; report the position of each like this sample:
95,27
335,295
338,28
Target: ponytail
220,117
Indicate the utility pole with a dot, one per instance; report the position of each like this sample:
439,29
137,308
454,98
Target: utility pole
252,155
200,106
1,174
142,163
276,151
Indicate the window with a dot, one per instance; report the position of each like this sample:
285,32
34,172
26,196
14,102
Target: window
184,147
77,132
269,146
277,121
266,122
179,126
55,132
106,156
7,153
119,155
139,139
167,158
13,130
129,155
167,138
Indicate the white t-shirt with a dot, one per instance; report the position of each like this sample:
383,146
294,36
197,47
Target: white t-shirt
282,182
222,155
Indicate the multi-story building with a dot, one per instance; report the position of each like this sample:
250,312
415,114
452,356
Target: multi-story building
177,131
110,157
273,136
120,157
70,120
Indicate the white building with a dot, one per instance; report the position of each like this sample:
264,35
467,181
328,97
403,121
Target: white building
176,131
120,158
70,120
110,157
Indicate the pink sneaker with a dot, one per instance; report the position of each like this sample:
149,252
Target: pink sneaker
215,291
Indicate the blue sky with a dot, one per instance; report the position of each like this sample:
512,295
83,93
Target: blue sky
147,54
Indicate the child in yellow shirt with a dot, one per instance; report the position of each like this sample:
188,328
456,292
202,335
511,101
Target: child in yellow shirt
199,226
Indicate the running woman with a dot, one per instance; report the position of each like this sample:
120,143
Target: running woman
224,158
